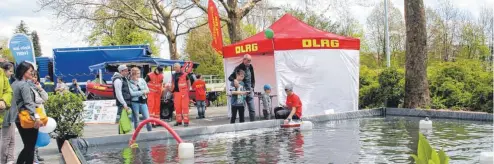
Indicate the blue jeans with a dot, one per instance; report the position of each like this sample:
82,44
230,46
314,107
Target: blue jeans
201,108
250,106
136,107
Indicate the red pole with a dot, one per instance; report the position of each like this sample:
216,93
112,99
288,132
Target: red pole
170,130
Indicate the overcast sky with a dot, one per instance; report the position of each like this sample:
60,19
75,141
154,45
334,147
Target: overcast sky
13,11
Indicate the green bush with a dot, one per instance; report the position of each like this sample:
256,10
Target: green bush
464,84
392,87
67,109
369,88
380,88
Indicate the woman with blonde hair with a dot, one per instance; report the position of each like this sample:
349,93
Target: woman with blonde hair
138,91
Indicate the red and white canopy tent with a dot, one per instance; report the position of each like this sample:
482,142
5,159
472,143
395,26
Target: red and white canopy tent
323,67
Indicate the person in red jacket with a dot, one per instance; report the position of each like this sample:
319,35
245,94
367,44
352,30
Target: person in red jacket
293,108
155,85
180,89
200,88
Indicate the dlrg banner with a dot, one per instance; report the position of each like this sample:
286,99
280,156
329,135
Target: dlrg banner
22,49
100,111
215,27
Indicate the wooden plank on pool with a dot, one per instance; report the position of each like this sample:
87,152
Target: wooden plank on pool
68,154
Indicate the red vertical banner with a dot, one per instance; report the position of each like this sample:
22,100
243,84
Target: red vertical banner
215,27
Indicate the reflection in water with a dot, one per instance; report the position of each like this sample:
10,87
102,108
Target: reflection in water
158,153
369,140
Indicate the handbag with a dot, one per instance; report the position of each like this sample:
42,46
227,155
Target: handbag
124,123
27,121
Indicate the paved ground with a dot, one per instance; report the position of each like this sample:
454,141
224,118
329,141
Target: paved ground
214,116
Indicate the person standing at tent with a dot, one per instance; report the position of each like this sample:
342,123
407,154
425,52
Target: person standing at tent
180,86
139,91
155,85
121,90
200,89
249,82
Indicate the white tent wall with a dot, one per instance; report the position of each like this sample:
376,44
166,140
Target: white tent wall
264,74
322,78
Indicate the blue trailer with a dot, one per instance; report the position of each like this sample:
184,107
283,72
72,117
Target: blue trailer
73,63
45,67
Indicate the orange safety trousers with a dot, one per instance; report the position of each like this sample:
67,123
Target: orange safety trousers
155,86
181,104
154,103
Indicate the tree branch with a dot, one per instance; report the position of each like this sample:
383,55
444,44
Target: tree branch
205,9
247,7
192,28
225,5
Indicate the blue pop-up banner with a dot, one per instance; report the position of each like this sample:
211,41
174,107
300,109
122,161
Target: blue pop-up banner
22,48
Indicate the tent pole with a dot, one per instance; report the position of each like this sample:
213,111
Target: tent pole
100,76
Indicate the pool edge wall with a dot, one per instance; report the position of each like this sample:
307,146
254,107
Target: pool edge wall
473,116
86,143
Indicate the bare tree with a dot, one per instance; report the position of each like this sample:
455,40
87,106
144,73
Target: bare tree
262,15
234,15
416,85
486,21
375,30
171,18
451,25
435,30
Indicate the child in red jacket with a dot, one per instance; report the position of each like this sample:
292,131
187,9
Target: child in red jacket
200,88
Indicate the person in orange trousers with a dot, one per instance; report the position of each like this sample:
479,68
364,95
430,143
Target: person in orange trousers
180,87
155,85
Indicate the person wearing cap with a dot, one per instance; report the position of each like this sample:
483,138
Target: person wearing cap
249,81
266,101
121,89
155,85
293,108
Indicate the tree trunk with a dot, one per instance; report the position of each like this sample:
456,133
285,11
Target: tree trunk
234,29
172,39
172,44
416,85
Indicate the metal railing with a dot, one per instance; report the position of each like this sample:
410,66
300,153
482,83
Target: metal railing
212,79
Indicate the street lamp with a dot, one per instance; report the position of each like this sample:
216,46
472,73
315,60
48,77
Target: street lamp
274,12
386,33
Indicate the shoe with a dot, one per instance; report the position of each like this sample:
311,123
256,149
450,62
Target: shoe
176,124
198,117
186,125
37,156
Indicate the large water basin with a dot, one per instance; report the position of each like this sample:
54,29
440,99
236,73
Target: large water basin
365,140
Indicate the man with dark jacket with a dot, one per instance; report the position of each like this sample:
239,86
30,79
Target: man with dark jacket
121,90
249,81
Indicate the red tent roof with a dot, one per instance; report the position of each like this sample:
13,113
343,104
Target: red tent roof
290,33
